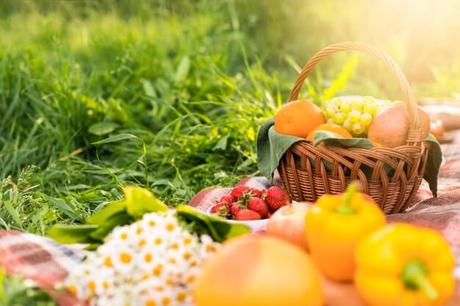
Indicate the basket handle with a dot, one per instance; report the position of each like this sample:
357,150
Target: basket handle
415,134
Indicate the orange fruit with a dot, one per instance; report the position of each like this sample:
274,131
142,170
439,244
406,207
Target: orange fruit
257,270
330,127
298,118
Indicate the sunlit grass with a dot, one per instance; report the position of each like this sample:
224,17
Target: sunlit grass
180,91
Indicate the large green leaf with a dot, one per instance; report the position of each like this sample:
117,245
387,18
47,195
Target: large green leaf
334,140
140,201
72,233
433,164
118,219
202,223
105,213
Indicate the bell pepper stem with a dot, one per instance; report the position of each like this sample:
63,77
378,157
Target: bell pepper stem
415,277
345,208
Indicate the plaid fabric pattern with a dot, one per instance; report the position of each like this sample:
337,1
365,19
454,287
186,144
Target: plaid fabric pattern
39,259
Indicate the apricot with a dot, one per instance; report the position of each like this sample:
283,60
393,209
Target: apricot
391,127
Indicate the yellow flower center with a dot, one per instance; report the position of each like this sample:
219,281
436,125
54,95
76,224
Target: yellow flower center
157,271
92,286
125,258
73,289
181,296
150,303
169,227
166,301
187,255
142,242
108,262
148,258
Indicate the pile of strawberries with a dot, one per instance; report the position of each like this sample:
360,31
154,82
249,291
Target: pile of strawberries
246,203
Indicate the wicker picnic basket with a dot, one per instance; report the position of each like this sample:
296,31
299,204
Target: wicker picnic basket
391,176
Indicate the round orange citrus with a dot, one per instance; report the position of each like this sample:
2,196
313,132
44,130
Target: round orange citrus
259,271
329,127
298,118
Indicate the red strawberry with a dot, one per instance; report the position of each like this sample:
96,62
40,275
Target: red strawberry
239,191
235,207
276,198
220,209
256,193
247,214
259,206
227,199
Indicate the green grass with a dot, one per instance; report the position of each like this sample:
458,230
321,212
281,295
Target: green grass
95,95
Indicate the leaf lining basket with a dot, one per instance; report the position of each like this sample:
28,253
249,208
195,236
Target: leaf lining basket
391,176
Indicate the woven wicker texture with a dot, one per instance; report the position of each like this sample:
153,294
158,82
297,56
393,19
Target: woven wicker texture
390,176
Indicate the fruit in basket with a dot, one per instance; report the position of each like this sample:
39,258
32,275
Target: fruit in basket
332,128
403,264
288,223
354,113
259,270
335,225
298,118
276,197
390,127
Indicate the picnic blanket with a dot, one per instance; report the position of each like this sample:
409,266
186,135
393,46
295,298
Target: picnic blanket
46,262
40,259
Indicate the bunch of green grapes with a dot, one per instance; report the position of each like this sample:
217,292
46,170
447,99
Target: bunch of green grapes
354,113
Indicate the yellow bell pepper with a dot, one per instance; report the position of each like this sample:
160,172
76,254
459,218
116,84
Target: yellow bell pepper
405,265
335,225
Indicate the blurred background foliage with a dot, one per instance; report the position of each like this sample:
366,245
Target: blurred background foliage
170,94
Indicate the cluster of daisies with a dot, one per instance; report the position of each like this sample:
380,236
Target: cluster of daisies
151,262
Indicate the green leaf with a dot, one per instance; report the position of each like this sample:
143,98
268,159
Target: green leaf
115,138
62,206
221,144
334,140
433,164
219,229
140,201
71,233
118,219
102,128
105,213
148,88
182,70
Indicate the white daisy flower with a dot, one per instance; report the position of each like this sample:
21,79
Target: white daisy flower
151,262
